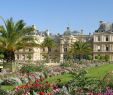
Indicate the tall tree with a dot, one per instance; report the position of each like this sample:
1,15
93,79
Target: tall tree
81,48
49,43
14,36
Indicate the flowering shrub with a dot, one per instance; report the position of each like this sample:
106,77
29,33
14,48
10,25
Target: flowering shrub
28,68
3,92
39,86
24,80
9,82
17,80
1,81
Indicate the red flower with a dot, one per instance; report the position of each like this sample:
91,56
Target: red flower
46,82
38,85
41,93
41,79
36,80
34,85
49,94
49,85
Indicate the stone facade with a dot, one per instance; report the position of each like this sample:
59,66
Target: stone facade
103,40
32,53
68,38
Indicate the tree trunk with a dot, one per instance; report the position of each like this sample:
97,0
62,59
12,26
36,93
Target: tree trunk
80,57
49,50
9,56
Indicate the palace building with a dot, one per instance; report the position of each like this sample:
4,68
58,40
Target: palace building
101,40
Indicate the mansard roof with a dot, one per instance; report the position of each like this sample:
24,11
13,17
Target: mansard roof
105,27
69,32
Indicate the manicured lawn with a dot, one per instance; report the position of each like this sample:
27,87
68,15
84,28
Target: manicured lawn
64,78
100,71
7,87
97,72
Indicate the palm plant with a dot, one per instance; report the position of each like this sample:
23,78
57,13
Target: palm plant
81,48
14,36
49,43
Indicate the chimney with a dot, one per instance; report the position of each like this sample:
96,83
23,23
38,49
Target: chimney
81,31
68,28
101,22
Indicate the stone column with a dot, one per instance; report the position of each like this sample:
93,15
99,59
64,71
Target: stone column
61,50
102,48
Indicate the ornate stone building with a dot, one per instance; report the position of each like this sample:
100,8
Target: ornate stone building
32,53
103,40
68,38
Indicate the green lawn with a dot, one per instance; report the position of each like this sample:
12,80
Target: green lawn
97,72
7,87
100,71
64,78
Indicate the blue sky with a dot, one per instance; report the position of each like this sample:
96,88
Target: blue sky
56,15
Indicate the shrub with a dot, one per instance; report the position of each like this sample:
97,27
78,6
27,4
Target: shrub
1,81
89,57
107,57
41,67
11,81
65,65
45,73
3,92
18,81
81,62
28,68
81,81
34,87
97,57
102,57
24,80
19,92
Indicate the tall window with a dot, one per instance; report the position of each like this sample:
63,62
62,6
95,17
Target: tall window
43,49
98,48
98,38
17,56
65,49
107,48
30,49
107,38
23,57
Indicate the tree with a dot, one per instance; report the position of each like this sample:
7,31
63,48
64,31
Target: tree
89,57
107,57
102,57
81,48
49,43
14,36
97,57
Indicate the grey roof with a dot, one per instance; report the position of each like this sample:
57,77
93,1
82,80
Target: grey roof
105,27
